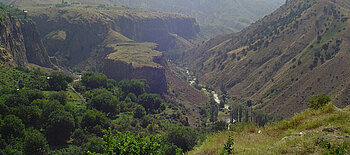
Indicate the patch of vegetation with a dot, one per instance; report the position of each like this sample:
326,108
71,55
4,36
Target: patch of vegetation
137,54
300,134
14,12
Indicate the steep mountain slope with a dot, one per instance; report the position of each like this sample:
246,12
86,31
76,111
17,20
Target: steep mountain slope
20,43
299,50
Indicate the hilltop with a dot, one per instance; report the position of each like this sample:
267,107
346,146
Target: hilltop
278,62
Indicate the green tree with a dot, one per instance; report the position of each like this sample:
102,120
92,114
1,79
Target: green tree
93,80
151,102
60,96
30,115
12,127
125,143
35,143
60,126
183,137
58,81
103,100
134,86
318,101
139,112
220,126
91,118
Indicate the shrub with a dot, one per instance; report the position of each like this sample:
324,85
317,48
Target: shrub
35,142
151,102
95,80
103,100
183,137
60,126
318,101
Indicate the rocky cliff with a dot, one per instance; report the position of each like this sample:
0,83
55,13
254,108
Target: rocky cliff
73,33
20,43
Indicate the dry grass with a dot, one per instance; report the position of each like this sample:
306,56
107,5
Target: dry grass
138,54
310,123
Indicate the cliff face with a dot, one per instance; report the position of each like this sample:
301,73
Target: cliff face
76,32
21,43
12,42
120,70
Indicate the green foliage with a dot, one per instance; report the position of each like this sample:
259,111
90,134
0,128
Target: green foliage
139,112
318,101
58,81
171,149
14,79
12,128
92,118
12,12
35,142
102,100
60,126
214,110
136,87
340,150
220,126
60,96
183,137
95,80
125,143
228,146
152,103
30,115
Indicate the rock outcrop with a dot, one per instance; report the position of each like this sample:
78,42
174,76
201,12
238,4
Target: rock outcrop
20,43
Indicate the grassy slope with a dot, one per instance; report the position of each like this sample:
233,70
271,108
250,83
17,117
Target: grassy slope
138,54
311,123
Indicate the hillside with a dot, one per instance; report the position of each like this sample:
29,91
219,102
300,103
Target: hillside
300,50
305,133
214,17
20,42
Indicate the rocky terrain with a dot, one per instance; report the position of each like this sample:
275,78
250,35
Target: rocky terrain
20,42
300,50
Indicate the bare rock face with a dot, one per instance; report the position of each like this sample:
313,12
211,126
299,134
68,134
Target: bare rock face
155,76
12,42
20,43
73,33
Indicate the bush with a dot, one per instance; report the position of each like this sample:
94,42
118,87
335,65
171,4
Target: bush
151,102
35,142
12,128
58,81
125,143
183,137
139,112
318,101
91,118
60,96
136,87
95,80
220,126
103,100
60,126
